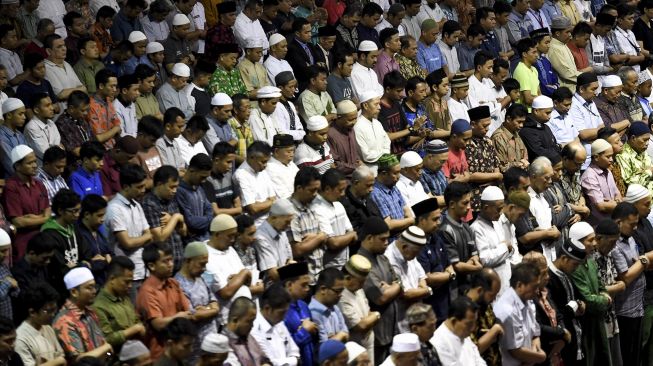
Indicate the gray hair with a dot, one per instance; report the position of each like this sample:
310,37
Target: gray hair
361,172
538,165
624,71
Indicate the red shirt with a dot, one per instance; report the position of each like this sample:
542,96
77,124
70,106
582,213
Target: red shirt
110,176
335,9
580,56
456,164
34,48
20,199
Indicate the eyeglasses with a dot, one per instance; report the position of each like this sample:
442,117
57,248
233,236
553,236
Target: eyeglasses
73,211
337,291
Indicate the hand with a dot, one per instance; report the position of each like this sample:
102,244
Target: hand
555,233
607,297
419,121
498,329
384,286
621,286
11,281
59,361
574,219
165,218
140,329
581,308
183,314
309,326
567,336
99,257
557,208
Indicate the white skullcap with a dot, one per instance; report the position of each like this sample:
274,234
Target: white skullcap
4,238
599,146
19,152
367,46
405,342
346,106
317,123
222,222
366,95
180,19
268,92
254,43
11,105
410,159
215,343
611,81
541,102
636,192
276,38
220,99
77,276
137,36
153,47
580,230
181,70
492,193
282,207
132,350
643,77
354,349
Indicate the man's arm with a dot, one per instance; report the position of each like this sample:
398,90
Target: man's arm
132,243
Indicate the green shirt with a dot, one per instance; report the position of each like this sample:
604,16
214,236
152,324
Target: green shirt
228,82
635,167
147,105
528,80
115,315
311,104
86,73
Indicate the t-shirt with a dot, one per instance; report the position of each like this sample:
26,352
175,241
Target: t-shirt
528,80
339,88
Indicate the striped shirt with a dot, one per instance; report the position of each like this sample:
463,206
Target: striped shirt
52,185
306,222
307,155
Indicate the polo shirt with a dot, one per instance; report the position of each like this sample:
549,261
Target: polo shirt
519,324
115,315
61,76
220,189
528,78
336,223
409,271
389,201
8,140
34,345
188,150
466,56
429,57
146,104
84,183
272,247
412,191
329,320
354,307
320,158
127,215
563,127
168,97
170,152
276,342
305,222
586,116
253,187
282,177
11,62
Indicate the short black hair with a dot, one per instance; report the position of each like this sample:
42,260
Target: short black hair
49,40
298,24
150,126
200,162
516,110
6,28
223,148
131,174
314,71
460,306
32,59
244,221
35,100
512,176
483,12
328,277
179,328
524,273
143,71
105,12
524,45
92,203
482,57
70,17
78,98
450,27
455,191
91,149
53,154
561,94
306,175
64,199
164,174
38,294
152,252
126,81
411,84
393,80
275,296
259,148
623,210
499,64
502,7
102,77
171,115
204,68
510,84
581,28
386,34
40,244
118,266
331,178
475,30
371,9
604,133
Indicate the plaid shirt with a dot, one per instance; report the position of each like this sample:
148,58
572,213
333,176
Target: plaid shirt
153,206
389,200
78,330
433,182
74,132
306,222
6,290
52,185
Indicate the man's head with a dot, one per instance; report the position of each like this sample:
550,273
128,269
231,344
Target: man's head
521,6
412,7
42,106
638,136
179,336
351,16
542,39
492,203
368,53
224,156
411,242
411,165
166,182
475,36
438,83
134,353
500,72
214,349
580,35
430,31
461,134
374,235
405,350
81,285
347,115
416,89
253,9
486,18
502,9
91,154
329,286
611,89
23,159
104,17
39,251
173,122
254,49
570,255
396,13
586,86
268,97
270,8
66,205
317,79
584,233
525,280
106,82
629,79
462,316
221,107
302,29
199,168
133,8
295,279
602,153
362,182
278,46
179,76
241,316
7,338
388,170
457,198
562,100
408,47
394,85
281,214
196,256
541,174
8,38
196,128
75,24
246,230
541,108
625,16
40,299
640,197
561,28
427,215
13,111
371,15
54,161
55,48
258,155
515,118
356,271
149,130
132,181
274,303
223,231
480,120
607,234
343,62
626,216
333,353
227,13
242,107
158,260
332,185
421,320
389,38
573,157
228,56
527,51
307,183
94,207
516,179
459,86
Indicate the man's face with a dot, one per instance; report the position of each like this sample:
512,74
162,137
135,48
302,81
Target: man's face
275,316
70,215
390,177
461,207
611,94
581,40
476,41
45,108
370,59
91,51
522,6
28,165
45,315
85,293
544,44
395,94
197,265
574,165
327,42
280,49
136,191
542,182
528,290
270,12
562,107
4,252
254,54
307,194
410,52
630,84
79,27
347,121
147,84
373,107
95,219
320,82
10,40
364,186
514,124
108,89
55,168
514,213
395,20
350,21
480,128
604,159
300,287
244,325
130,94
223,113
182,349
626,22
639,143
464,327
177,82
304,34
499,77
228,60
420,92
122,284
285,154
460,141
38,71
379,243
41,260
7,343
628,225
530,56
223,164
492,210
258,162
248,236
345,69
425,329
332,294
173,130
490,22
58,50
269,105
371,21
242,113
443,88
588,92
162,267
543,115
430,35
394,43
169,189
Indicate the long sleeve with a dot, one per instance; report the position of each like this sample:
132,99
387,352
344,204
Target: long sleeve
194,221
597,304
490,255
113,337
563,63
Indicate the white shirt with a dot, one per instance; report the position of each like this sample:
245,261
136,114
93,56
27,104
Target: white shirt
155,31
363,78
481,94
95,5
412,192
410,272
458,110
497,118
508,234
335,223
282,177
254,187
40,136
519,324
384,4
584,117
627,43
189,150
11,62
276,342
493,249
263,125
222,265
541,211
562,127
282,121
426,12
537,18
55,11
412,26
198,17
454,351
274,67
61,77
305,154
127,117
245,28
372,140
450,54
128,216
383,24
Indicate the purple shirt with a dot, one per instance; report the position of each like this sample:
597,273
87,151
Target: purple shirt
385,64
599,186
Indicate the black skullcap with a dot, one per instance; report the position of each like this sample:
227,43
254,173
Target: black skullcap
284,78
374,225
282,140
574,249
292,270
605,19
227,7
586,78
436,77
128,144
425,206
327,31
228,48
479,113
539,33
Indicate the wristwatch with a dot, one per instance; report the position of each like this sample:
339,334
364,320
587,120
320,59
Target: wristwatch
430,290
644,260
452,275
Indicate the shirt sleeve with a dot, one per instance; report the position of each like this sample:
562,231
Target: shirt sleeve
620,260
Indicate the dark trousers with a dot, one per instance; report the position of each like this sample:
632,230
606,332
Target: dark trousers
630,338
381,353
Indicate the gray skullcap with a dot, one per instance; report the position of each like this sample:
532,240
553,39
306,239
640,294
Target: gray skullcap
195,249
132,349
561,22
282,207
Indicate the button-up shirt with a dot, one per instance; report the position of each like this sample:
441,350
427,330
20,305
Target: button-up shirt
36,345
78,329
354,307
41,135
196,209
102,117
450,55
563,63
153,207
8,140
253,187
287,121
585,116
276,342
74,132
509,147
384,65
455,351
52,184
610,112
245,28
519,323
336,223
629,303
282,177
372,139
598,186
170,152
519,27
493,249
412,191
312,104
188,150
272,247
305,222
127,116
635,167
274,67
563,127
263,126
115,314
329,319
127,215
389,200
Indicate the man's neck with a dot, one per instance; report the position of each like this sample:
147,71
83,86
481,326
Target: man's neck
411,103
451,328
454,217
56,61
314,91
389,52
23,178
319,299
478,76
368,116
61,222
281,160
33,323
88,226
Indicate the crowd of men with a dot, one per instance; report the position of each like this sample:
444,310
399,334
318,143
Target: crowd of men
328,182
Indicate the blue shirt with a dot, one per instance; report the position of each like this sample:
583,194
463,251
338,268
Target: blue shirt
8,140
389,200
329,320
434,258
97,244
85,183
130,65
466,56
491,44
546,75
297,312
550,10
196,209
430,57
123,26
433,182
368,34
119,69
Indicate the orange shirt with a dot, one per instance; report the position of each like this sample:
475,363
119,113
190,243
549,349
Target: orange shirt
102,117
